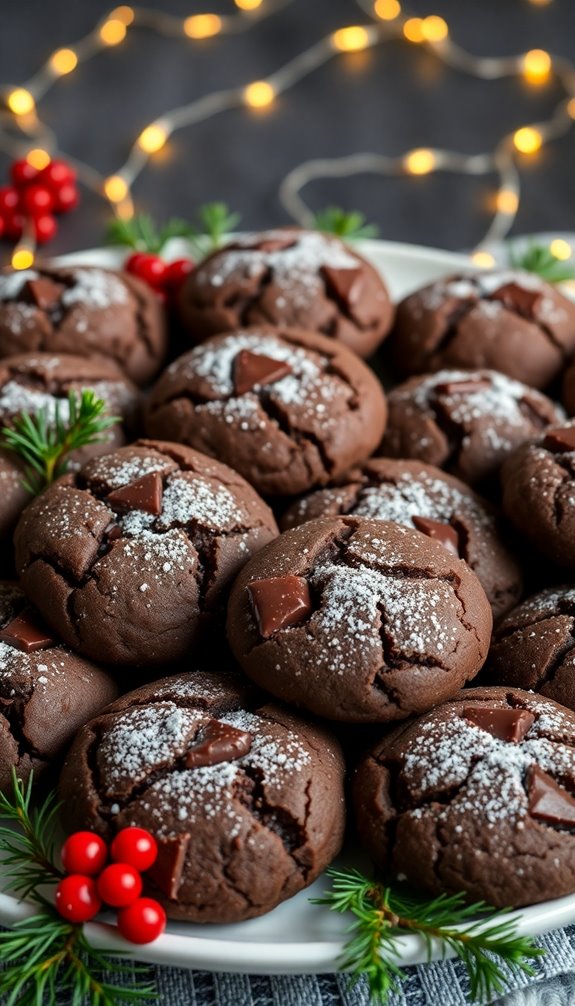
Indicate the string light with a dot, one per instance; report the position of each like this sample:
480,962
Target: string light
561,249
419,162
434,28
507,201
22,258
152,138
413,29
202,25
63,61
351,39
116,188
537,66
387,10
21,101
38,158
259,94
483,259
124,14
248,4
113,31
527,140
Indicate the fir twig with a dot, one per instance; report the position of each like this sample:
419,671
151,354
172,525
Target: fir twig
540,259
28,859
45,442
213,222
380,915
352,225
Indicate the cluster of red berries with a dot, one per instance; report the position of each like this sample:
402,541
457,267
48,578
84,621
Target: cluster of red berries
35,195
165,278
92,882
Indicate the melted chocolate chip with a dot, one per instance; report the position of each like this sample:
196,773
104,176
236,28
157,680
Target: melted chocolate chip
279,602
346,284
547,800
505,724
443,533
466,385
26,633
275,244
517,298
218,742
560,441
144,494
167,870
44,292
251,369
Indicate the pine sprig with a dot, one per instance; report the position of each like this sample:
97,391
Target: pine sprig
45,442
28,856
540,259
380,915
213,221
352,225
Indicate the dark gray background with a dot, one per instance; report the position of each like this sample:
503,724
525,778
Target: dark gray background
389,99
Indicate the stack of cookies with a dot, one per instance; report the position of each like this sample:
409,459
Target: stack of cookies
276,578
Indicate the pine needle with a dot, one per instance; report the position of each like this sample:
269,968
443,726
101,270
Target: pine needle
540,260
352,225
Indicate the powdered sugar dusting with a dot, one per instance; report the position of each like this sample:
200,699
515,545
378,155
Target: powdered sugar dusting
95,289
12,284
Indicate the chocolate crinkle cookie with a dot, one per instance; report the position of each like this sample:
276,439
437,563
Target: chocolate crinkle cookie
13,498
46,692
86,311
426,498
475,796
467,422
358,620
244,798
539,492
534,646
287,409
128,559
506,320
289,277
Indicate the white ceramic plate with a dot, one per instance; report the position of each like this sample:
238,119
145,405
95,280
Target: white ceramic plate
297,937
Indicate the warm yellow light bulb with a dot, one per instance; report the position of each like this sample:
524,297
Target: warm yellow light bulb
483,259
202,25
124,14
419,162
259,94
413,29
152,138
527,140
113,31
115,188
434,28
387,10
22,258
536,66
540,3
125,209
561,249
38,158
63,61
352,39
248,4
20,101
507,201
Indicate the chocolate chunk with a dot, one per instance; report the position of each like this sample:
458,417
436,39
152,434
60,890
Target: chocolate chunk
218,742
279,601
462,387
517,298
251,369
274,244
505,724
547,800
346,284
443,533
44,292
26,633
560,441
144,494
167,870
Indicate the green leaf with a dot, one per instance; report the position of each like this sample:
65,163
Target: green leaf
540,259
352,225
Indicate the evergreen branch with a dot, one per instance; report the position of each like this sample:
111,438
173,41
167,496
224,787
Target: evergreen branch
540,260
352,225
490,951
45,442
213,222
28,856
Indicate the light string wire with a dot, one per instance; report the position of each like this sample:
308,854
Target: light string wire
23,134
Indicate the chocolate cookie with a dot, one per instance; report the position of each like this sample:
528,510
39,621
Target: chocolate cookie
507,320
533,647
287,409
86,311
420,496
539,492
475,796
46,692
128,559
244,798
358,620
35,381
288,277
464,421
569,389
13,499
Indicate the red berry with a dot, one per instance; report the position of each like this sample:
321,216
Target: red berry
22,173
14,223
131,263
150,268
134,846
9,199
143,921
77,898
2,226
177,272
57,173
66,197
84,852
38,200
119,885
45,228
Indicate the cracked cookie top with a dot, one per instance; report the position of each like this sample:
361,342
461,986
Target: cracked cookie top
46,692
467,422
475,796
358,620
86,311
507,320
304,279
424,497
129,558
244,799
288,409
